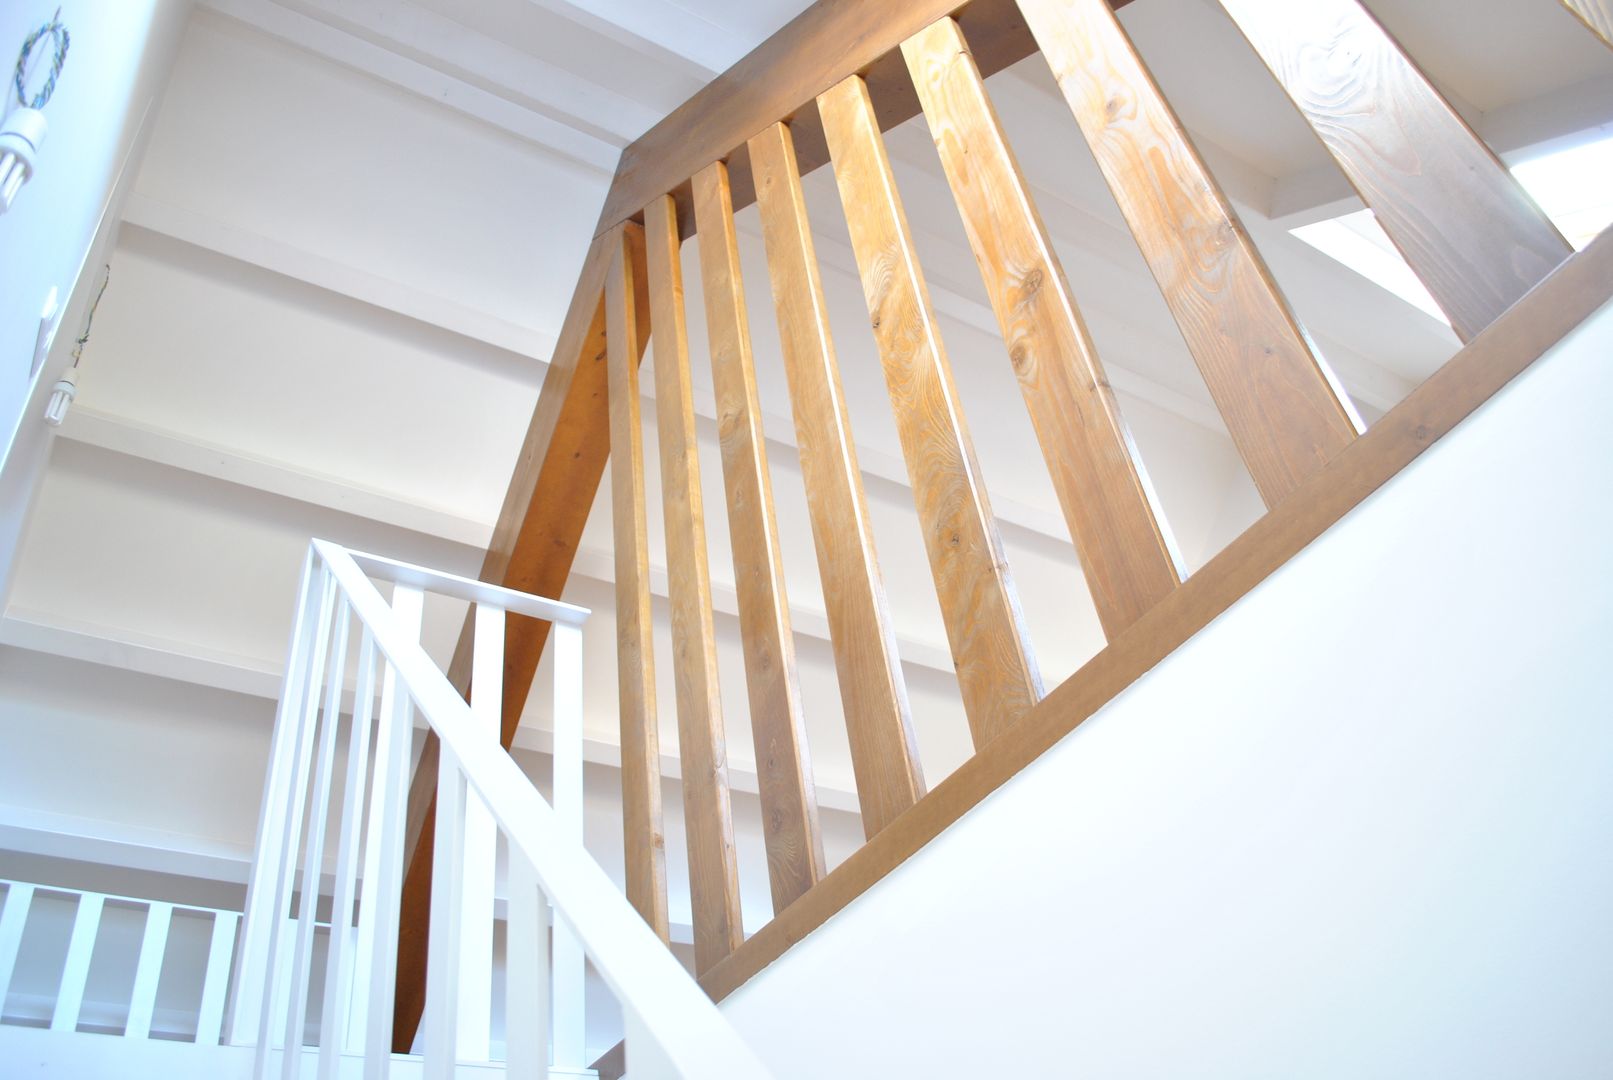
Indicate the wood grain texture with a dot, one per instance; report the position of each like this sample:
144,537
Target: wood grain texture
997,672
1282,406
702,743
790,829
1463,223
1504,350
1107,501
781,79
1597,15
884,754
532,549
635,647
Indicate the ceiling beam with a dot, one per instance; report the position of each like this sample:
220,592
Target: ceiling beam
596,155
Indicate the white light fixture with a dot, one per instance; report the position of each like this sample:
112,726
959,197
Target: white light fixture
20,138
61,397
23,130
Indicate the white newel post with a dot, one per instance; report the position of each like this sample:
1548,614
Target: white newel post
570,1049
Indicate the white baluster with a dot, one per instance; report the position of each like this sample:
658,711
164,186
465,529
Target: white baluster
570,1051
440,1028
13,917
526,973
314,857
383,850
210,1017
272,992
339,958
251,973
76,969
148,970
481,847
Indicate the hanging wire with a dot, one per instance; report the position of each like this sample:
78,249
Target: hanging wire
84,338
58,34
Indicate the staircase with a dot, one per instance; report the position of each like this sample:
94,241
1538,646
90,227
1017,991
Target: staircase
559,906
388,968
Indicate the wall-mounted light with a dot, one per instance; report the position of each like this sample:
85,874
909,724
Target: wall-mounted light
23,130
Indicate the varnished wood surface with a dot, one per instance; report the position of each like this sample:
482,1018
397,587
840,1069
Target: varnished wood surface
790,829
1107,501
702,742
780,80
1283,409
533,545
635,646
1597,15
1454,211
1480,370
884,753
996,667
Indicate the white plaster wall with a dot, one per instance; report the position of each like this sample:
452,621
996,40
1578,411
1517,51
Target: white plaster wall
115,71
1256,862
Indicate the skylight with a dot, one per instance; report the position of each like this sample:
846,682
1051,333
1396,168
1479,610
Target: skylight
1574,187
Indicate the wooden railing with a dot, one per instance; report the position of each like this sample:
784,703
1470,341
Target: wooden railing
822,91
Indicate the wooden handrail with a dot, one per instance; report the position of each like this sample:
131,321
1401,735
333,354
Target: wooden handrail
825,88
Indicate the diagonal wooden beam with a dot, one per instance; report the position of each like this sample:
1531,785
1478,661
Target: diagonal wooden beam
563,457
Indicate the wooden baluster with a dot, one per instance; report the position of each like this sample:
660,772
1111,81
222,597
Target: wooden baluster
1128,558
783,765
1283,408
1463,223
997,671
702,745
1597,15
884,753
635,652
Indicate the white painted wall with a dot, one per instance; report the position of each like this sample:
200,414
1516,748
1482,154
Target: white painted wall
115,70
1259,862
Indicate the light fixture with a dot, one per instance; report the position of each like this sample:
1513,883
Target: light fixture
61,396
23,130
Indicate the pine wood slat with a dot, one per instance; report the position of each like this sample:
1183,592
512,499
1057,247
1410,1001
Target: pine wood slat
997,671
635,651
1597,15
790,829
1128,558
702,743
884,753
1548,314
1463,223
781,78
1283,408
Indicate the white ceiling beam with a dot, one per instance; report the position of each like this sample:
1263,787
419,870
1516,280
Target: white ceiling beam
456,50
194,664
658,28
342,279
598,156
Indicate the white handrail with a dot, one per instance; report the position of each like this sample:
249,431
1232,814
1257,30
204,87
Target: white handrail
673,1028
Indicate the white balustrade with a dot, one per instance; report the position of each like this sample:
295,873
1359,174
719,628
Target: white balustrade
67,1010
674,1029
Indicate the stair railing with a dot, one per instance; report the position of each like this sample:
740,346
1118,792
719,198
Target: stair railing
673,1029
822,92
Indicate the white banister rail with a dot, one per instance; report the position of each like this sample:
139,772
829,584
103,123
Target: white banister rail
673,1028
67,1010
